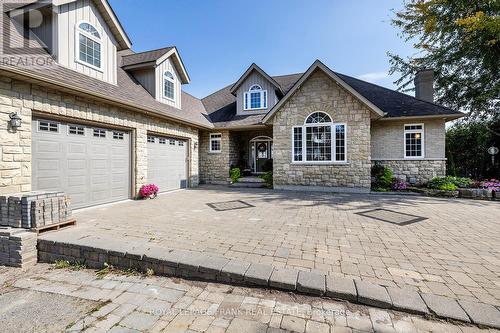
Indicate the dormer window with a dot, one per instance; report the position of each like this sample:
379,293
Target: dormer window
89,45
255,98
169,86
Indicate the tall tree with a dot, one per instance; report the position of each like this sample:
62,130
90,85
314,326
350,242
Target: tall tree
460,40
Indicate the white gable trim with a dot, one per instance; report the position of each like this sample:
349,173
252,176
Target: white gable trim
179,65
110,18
254,67
319,65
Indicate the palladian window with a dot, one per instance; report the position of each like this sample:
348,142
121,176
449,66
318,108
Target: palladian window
255,98
319,140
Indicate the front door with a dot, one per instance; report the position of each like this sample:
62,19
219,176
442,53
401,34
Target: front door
263,156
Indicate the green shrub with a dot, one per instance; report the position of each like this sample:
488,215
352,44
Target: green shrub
448,187
445,182
268,178
235,174
383,177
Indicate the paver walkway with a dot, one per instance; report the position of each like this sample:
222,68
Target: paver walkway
158,304
450,247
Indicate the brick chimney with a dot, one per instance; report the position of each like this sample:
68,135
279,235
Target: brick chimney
424,85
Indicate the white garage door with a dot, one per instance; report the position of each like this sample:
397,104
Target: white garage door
91,164
167,163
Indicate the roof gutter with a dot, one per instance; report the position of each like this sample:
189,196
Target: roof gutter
447,117
108,99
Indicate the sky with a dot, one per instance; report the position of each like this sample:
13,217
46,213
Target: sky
219,39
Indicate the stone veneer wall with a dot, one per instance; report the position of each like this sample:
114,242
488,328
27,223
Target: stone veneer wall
416,171
320,93
26,98
214,167
387,143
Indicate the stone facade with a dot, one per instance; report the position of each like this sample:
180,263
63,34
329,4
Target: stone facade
387,143
320,93
416,171
214,167
27,99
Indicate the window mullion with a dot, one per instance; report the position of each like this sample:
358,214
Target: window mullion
304,147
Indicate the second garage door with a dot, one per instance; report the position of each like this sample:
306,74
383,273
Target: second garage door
167,163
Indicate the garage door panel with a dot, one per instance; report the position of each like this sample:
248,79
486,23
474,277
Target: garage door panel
92,170
167,165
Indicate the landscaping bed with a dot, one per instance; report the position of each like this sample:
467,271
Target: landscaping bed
384,182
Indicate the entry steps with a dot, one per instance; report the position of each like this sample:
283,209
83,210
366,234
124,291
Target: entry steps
251,181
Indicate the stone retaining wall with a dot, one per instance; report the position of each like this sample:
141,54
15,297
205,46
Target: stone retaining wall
416,171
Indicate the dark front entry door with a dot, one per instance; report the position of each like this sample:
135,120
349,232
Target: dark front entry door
263,156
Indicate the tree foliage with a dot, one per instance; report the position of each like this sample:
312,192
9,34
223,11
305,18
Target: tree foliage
460,40
467,144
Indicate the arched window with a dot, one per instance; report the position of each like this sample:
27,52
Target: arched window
319,140
318,117
89,45
169,85
255,98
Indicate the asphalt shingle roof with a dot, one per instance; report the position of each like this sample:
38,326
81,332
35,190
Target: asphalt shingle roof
143,57
217,109
127,90
221,105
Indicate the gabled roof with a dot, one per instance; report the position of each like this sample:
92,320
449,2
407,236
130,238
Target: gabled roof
155,57
318,65
127,93
103,6
221,105
254,67
111,20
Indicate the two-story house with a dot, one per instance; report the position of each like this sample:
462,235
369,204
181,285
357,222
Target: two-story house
99,120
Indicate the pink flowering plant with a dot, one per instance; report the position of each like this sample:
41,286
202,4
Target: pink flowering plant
398,184
491,184
149,191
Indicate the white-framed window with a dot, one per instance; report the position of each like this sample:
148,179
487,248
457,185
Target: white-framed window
169,85
99,133
89,45
151,139
414,140
76,130
118,135
162,141
48,126
255,98
215,143
171,142
319,140
181,143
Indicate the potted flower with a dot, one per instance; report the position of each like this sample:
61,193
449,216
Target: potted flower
149,191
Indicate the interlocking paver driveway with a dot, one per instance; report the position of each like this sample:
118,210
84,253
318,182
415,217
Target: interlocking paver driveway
454,251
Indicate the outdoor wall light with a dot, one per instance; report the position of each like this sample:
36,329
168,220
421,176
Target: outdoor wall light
15,121
195,145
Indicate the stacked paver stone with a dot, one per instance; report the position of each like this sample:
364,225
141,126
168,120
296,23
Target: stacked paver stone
17,247
34,209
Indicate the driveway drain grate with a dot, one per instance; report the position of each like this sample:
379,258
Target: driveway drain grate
391,216
230,205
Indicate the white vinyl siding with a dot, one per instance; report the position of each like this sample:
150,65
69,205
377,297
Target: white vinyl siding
253,79
66,49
